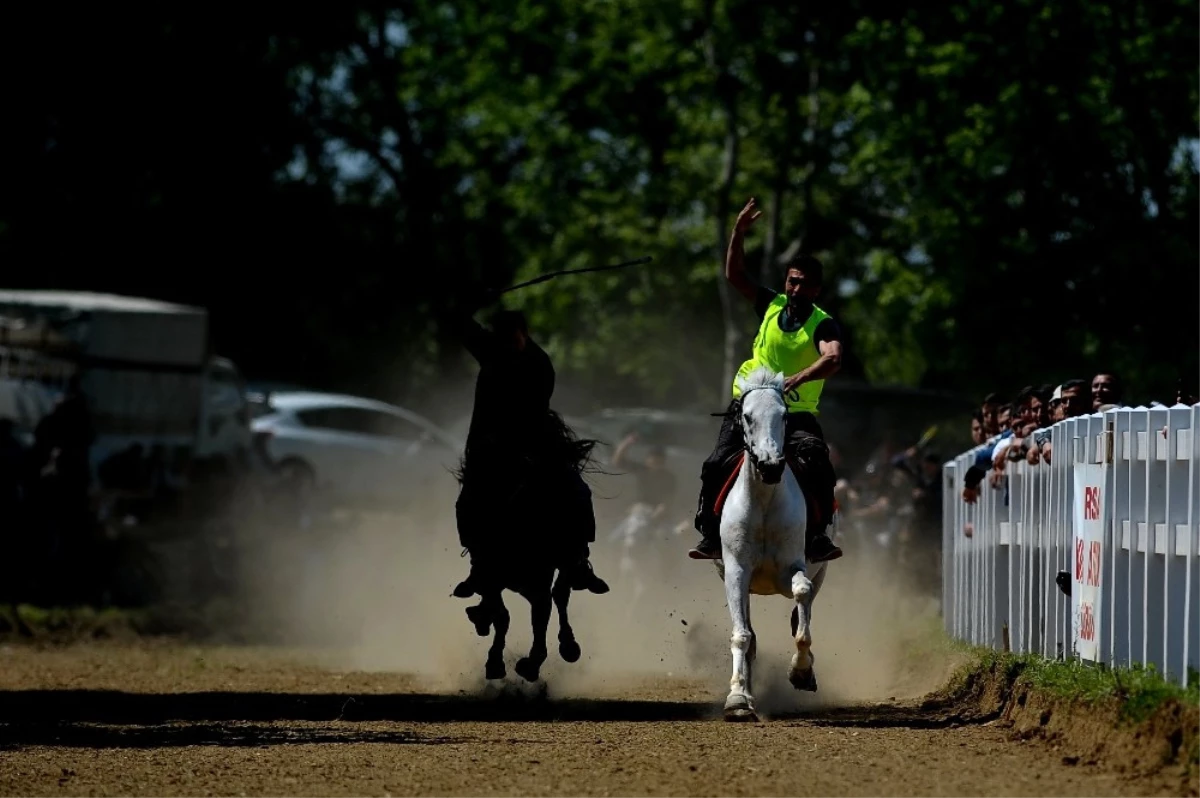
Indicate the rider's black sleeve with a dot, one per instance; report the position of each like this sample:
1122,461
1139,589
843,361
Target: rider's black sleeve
477,340
827,330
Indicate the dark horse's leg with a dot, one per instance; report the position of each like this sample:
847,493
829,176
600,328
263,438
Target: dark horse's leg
493,604
528,668
568,648
480,617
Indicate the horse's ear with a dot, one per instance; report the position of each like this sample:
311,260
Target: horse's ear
740,382
778,380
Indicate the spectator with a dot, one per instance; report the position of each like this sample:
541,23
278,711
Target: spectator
1003,420
983,458
1106,392
978,433
1012,416
1039,405
1074,400
1052,413
990,410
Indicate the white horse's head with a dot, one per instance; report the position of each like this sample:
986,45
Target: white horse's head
763,410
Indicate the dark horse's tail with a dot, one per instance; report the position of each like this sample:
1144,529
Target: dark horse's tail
554,444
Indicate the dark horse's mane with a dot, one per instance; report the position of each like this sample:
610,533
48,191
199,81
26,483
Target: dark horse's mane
557,445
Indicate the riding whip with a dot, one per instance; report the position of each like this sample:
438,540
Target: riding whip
543,278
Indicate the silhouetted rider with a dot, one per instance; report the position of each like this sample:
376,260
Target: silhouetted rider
516,439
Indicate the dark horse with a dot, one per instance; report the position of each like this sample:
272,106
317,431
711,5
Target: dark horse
539,511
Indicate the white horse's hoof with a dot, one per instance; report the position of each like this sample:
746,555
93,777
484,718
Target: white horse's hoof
804,681
739,710
741,715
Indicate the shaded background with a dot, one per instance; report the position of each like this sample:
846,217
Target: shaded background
1003,193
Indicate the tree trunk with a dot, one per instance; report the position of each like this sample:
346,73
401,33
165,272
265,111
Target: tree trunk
727,90
810,139
722,222
768,273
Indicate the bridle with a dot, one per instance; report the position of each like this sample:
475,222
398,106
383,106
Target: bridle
742,420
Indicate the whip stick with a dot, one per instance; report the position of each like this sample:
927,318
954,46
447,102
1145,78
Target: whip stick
543,278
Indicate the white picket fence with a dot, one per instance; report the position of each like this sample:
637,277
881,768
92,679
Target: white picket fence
1137,519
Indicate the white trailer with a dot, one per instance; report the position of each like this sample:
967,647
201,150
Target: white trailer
144,365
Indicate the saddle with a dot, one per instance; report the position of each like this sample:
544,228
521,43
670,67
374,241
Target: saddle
733,467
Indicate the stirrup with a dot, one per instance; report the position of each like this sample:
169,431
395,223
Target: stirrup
583,577
832,552
702,552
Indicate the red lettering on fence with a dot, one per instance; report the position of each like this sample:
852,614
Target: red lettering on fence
1094,564
1078,559
1091,503
1087,623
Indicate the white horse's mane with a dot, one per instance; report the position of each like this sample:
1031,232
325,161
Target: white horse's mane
762,377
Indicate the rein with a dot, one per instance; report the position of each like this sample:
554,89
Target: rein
745,438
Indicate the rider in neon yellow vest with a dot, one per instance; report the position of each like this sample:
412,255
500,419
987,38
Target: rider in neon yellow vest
799,339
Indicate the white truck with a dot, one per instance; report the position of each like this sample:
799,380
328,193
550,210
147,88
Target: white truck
144,366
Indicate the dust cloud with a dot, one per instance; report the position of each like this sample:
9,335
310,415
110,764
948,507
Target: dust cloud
371,592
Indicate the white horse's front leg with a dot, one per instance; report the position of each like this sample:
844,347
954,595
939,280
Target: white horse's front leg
739,705
801,673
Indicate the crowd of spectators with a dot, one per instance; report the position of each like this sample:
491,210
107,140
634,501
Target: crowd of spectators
1022,429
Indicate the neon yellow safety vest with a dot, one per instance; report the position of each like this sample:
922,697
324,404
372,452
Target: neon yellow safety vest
788,352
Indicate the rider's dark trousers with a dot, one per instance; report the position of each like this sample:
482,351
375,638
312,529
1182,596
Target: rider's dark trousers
802,440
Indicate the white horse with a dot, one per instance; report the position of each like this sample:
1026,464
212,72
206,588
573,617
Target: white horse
762,540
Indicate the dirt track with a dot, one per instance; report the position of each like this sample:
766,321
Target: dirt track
376,687
166,719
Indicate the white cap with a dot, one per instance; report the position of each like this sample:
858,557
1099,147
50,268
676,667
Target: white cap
1057,395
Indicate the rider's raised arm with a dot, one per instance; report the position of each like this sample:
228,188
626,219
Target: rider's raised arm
477,339
735,256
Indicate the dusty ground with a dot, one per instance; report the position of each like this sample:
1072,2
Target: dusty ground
165,719
377,688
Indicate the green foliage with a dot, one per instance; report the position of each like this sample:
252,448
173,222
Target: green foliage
991,213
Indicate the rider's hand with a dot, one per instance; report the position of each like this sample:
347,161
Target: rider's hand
747,217
481,297
791,383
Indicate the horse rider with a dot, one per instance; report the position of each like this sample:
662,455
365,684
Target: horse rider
803,342
514,436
